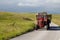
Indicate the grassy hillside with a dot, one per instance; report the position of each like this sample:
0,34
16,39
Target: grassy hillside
13,24
56,18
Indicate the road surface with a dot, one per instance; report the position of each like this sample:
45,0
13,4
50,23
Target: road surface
41,34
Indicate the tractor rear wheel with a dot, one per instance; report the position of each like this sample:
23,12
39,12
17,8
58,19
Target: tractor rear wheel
48,26
37,27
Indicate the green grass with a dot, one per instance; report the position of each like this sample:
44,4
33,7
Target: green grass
56,18
13,24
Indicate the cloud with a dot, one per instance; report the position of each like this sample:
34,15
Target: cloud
31,3
8,2
53,1
37,3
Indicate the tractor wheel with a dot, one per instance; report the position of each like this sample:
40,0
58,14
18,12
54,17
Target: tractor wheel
37,27
48,26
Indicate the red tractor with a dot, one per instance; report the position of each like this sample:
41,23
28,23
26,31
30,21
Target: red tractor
43,19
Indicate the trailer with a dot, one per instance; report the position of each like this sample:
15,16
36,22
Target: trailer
43,19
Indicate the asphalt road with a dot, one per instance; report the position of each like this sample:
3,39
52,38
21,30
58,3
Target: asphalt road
41,34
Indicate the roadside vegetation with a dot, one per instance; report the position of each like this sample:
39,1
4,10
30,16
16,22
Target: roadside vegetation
14,24
56,18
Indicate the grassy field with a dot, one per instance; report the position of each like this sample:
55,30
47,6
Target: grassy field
56,18
14,24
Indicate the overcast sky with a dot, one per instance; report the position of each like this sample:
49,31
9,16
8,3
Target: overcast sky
52,6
